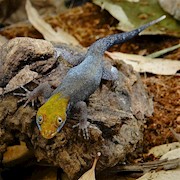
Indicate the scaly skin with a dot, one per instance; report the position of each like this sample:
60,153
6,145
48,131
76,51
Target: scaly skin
51,123
79,83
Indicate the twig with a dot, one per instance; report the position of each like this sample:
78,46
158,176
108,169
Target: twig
163,51
147,166
176,135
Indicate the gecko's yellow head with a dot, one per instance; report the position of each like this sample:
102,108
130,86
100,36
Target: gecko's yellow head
51,116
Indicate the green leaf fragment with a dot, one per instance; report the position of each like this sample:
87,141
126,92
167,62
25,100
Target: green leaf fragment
141,12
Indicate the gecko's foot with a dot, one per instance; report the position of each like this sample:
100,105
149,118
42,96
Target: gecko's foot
83,126
44,90
27,96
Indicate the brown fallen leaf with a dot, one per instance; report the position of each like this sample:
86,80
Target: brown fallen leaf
16,154
90,174
45,29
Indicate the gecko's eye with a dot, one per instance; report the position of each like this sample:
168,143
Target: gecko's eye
39,119
59,121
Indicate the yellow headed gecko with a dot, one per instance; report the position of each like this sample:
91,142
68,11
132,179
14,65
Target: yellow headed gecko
79,83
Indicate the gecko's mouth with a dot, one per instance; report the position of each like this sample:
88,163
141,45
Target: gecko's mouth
48,134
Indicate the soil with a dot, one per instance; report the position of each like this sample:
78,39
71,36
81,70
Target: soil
88,23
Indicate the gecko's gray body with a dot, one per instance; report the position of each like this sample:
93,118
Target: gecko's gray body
86,78
82,80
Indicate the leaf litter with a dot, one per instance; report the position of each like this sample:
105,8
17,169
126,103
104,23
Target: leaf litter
164,88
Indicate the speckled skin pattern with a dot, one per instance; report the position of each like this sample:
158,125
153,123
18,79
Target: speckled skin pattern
82,80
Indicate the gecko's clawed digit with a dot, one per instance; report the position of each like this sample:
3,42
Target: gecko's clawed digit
83,126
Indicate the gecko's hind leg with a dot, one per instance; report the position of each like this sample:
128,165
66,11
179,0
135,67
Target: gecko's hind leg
83,124
109,72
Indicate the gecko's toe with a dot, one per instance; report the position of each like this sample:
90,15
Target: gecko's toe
84,128
76,125
85,133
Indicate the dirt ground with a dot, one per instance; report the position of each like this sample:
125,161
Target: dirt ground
88,23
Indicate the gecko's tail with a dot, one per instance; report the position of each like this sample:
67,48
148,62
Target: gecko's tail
101,45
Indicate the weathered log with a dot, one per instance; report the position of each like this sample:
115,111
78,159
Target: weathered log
117,111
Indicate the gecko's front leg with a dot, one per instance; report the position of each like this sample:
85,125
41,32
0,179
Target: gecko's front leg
83,124
43,90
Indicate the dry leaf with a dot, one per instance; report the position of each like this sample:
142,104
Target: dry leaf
146,64
162,175
168,174
3,40
45,29
23,77
160,150
173,154
90,174
117,12
138,13
172,7
1,91
15,152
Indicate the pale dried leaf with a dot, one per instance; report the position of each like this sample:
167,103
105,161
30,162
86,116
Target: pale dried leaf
172,7
168,174
117,12
1,91
23,77
145,64
173,154
66,37
90,174
162,175
3,40
45,29
160,150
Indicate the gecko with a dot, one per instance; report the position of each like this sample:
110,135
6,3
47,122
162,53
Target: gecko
78,84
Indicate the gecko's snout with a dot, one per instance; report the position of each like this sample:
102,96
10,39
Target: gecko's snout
48,134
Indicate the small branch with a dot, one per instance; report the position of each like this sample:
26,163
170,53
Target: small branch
176,135
163,51
147,166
